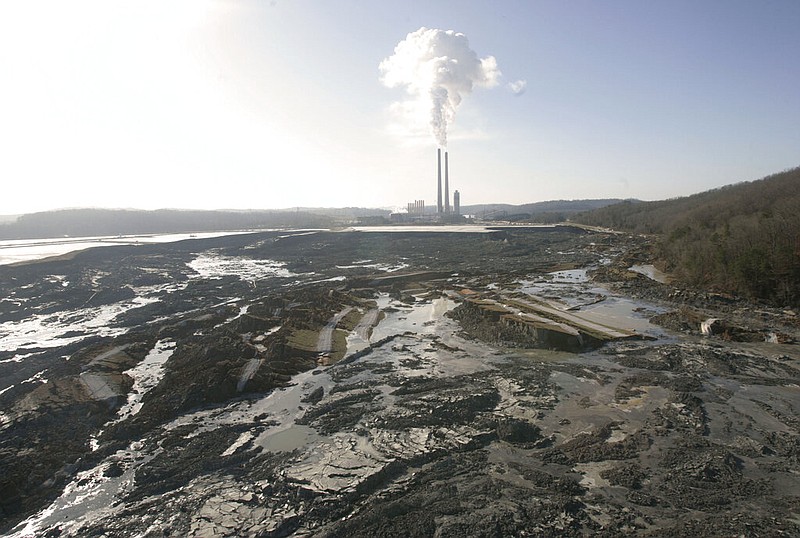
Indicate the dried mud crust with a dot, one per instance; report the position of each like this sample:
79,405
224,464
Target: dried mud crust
419,433
557,469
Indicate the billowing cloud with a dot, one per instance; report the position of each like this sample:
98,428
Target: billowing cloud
518,87
438,69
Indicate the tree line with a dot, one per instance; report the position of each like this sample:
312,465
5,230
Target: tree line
100,222
742,238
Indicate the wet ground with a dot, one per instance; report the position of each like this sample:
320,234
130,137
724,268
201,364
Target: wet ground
340,384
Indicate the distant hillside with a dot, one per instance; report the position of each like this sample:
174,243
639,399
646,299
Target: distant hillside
96,222
743,238
351,213
550,211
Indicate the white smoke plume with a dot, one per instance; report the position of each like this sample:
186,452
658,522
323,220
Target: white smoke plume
437,69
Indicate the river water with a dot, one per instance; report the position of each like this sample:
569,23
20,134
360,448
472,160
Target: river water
23,250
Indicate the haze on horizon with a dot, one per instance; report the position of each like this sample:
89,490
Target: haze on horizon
236,104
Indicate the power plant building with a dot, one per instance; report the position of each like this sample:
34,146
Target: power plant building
417,207
415,211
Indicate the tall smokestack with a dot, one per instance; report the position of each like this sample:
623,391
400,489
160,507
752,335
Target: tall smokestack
439,173
446,185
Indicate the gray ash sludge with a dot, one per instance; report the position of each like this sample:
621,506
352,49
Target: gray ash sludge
416,428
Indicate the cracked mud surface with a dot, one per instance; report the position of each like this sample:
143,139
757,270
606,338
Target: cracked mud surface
413,424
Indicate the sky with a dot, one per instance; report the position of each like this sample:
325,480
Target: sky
237,104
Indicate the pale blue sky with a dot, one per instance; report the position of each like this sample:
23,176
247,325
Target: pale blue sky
235,104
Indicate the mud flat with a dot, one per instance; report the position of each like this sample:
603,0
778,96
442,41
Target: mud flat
512,383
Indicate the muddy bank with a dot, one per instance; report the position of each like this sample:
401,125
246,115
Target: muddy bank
323,384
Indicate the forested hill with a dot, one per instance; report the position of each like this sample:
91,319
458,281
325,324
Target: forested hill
550,211
100,222
743,238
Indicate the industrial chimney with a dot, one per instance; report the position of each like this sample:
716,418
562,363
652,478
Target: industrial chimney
457,203
439,174
446,185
